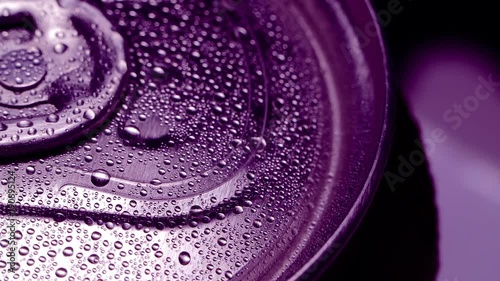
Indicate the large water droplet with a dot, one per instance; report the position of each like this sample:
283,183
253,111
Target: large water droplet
184,258
100,178
30,170
52,118
93,259
96,235
61,272
132,132
89,114
68,251
196,210
24,124
23,251
60,48
222,241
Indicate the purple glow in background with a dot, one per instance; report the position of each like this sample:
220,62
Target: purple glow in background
465,167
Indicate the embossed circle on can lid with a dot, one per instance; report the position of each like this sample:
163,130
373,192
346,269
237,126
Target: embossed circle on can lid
61,69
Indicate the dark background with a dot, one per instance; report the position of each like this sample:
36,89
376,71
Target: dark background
399,236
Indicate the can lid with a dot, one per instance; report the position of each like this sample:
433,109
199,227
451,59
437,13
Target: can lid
222,139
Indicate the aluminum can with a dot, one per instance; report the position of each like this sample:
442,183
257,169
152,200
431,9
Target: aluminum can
186,140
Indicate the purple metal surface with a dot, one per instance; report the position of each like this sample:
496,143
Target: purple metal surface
247,144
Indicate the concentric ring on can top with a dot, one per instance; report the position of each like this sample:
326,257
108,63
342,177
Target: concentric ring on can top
355,68
61,82
359,40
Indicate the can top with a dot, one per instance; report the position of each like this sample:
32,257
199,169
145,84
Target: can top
186,139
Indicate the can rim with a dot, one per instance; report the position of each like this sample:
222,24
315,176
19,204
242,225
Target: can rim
330,250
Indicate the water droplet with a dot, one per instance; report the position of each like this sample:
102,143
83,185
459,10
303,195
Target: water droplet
228,275
24,124
196,54
23,251
59,217
95,235
238,209
122,67
184,258
60,48
61,272
155,182
68,251
259,144
222,241
132,132
30,170
89,114
100,178
52,118
257,223
159,71
51,131
195,210
93,259
60,34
